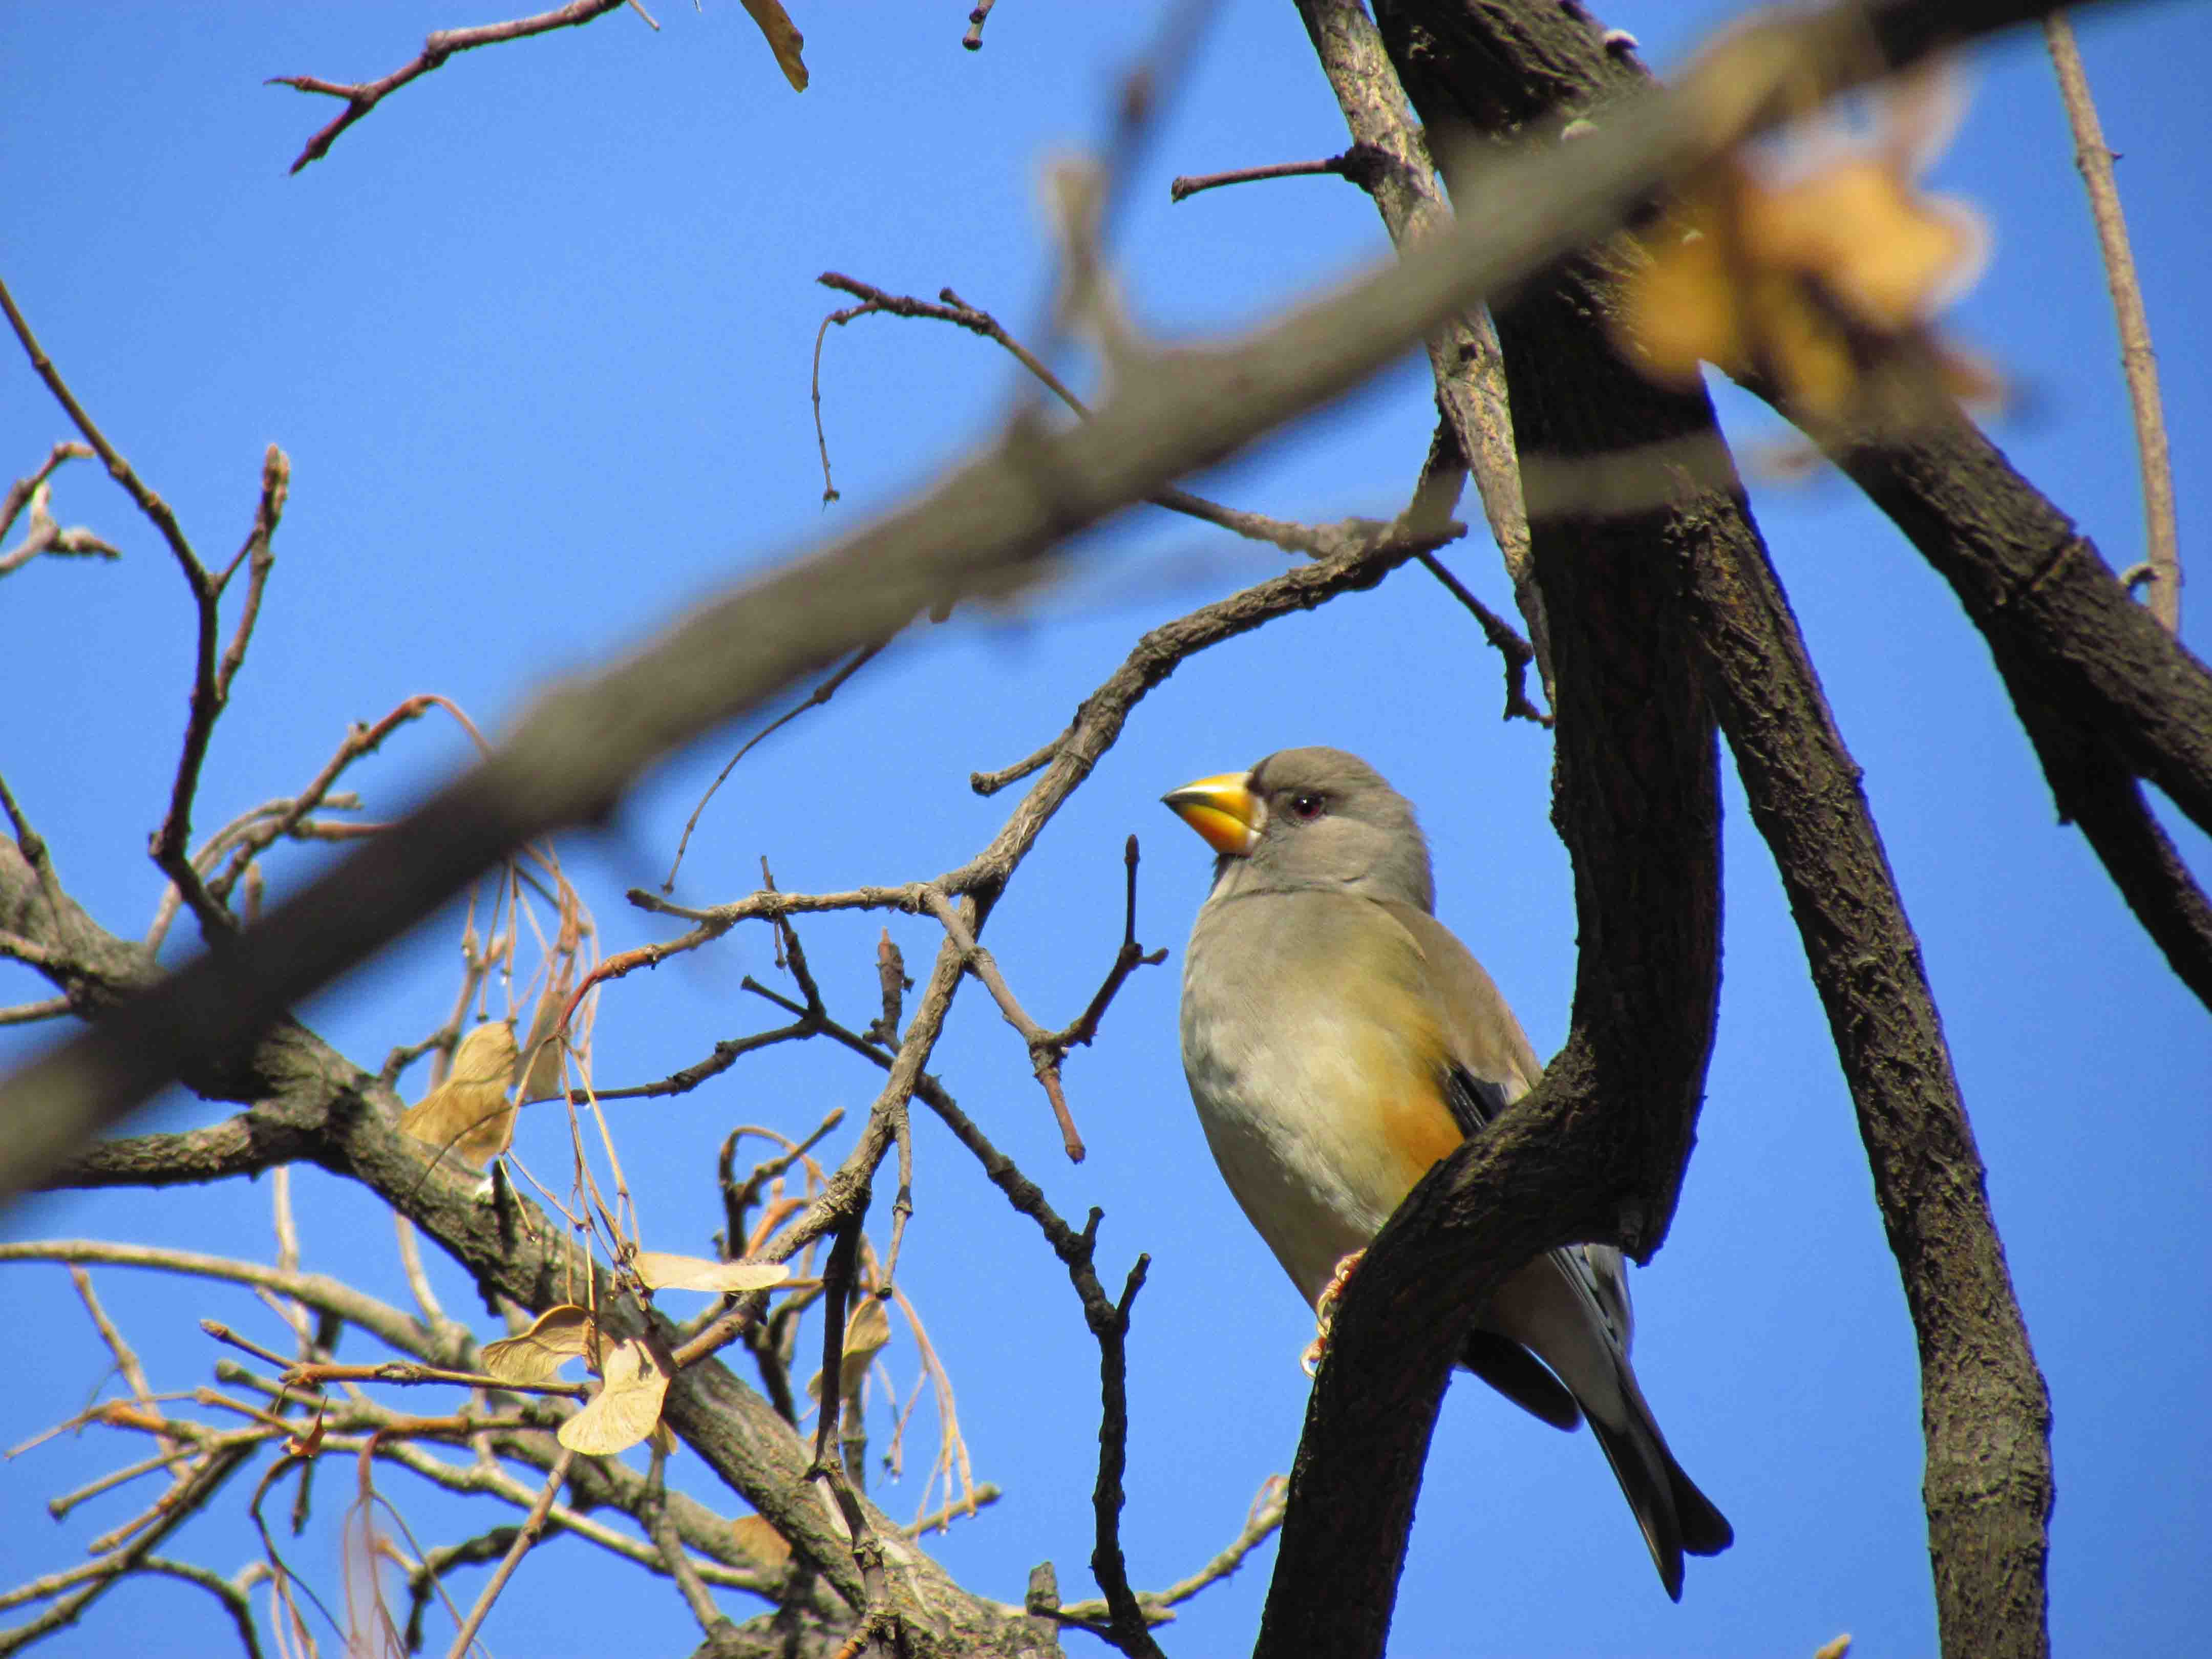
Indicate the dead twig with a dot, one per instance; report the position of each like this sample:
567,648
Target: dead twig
814,699
2161,565
533,1525
437,49
1358,164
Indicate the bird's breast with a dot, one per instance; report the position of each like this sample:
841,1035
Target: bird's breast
1321,1110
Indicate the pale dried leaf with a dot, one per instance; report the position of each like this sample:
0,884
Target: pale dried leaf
485,1055
541,1057
560,1333
469,1114
760,1542
662,1271
1835,1649
1891,253
627,1406
867,1329
784,40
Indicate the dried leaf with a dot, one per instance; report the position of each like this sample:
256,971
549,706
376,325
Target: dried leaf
662,1271
759,1541
1812,279
1835,1649
1889,253
560,1334
469,1114
485,1055
543,1079
784,40
867,1330
627,1406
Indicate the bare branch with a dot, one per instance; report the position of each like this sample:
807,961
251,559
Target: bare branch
437,49
1464,357
1354,164
526,1535
46,534
974,37
155,509
814,699
1321,541
1127,1626
20,492
2162,539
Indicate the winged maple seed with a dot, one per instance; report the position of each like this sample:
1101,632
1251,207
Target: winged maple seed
658,1270
560,1334
627,1408
469,1114
1816,279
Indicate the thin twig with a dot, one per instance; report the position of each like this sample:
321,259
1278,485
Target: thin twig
1126,1627
1314,541
526,1535
1352,164
814,699
2162,563
1044,1058
973,39
23,490
437,49
155,509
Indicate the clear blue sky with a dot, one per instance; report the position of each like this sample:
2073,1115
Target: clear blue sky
536,338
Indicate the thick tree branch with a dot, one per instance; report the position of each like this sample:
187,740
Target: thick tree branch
2058,621
1986,1410
1463,358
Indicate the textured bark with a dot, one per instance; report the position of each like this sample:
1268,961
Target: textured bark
1596,1151
2055,615
1499,66
1985,1412
2106,695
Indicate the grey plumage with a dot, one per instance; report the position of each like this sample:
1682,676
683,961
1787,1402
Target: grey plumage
1339,1040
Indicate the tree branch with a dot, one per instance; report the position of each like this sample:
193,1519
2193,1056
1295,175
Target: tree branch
437,49
2161,540
1986,1410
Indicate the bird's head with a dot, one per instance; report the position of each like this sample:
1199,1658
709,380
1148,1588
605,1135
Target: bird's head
1309,818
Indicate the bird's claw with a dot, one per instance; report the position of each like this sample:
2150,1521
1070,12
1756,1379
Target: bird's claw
1325,1312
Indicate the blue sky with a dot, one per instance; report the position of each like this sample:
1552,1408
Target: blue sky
536,337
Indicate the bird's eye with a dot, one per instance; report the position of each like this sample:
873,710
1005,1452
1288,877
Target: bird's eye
1308,805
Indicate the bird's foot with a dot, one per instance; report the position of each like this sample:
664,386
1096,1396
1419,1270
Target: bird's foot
1325,1311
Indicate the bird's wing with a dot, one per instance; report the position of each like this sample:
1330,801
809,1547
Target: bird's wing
1570,1308
1485,1040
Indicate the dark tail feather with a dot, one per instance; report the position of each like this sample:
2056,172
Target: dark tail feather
1675,1515
1521,1377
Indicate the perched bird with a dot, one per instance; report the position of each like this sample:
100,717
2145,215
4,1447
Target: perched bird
1339,1042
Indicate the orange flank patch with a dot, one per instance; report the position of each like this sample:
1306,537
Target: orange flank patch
1421,1129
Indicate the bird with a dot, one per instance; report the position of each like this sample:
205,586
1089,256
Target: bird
1339,1041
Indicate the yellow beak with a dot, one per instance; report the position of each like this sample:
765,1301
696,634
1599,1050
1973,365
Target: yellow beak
1225,813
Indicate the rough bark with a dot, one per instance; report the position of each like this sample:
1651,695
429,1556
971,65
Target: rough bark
1597,1150
1499,67
2106,696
